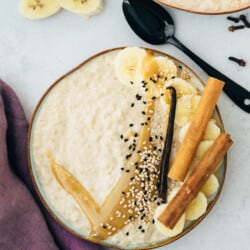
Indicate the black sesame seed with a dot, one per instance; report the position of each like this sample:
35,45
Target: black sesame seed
144,102
154,97
127,234
140,227
153,221
146,90
127,171
155,147
131,82
104,226
149,118
142,124
130,217
130,147
156,137
131,125
125,140
161,138
132,105
139,151
154,81
132,178
162,94
136,164
166,78
146,123
143,112
158,203
150,138
128,156
143,231
179,66
173,77
136,134
138,97
121,136
122,169
123,192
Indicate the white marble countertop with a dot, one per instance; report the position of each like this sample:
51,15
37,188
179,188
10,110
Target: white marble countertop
33,54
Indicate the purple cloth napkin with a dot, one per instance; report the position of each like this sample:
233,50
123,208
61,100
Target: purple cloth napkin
24,222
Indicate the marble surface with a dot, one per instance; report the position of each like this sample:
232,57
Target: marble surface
33,54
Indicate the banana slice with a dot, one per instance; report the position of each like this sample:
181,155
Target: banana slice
38,9
83,7
197,207
165,230
158,69
128,66
211,186
211,133
186,106
182,87
201,151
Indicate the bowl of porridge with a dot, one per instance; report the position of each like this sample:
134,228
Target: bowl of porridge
208,6
96,143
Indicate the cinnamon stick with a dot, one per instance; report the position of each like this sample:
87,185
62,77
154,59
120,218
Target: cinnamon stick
195,181
196,129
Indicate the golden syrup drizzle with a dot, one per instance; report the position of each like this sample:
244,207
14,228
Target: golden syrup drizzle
71,185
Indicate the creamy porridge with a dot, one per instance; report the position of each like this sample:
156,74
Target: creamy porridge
209,5
97,141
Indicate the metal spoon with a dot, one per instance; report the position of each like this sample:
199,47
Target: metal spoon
153,23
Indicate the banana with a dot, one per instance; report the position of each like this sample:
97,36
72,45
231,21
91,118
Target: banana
128,66
38,9
158,69
211,133
197,207
201,151
83,7
211,186
182,87
165,230
186,106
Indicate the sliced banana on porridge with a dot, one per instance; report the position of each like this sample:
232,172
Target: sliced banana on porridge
211,186
38,9
197,208
211,133
165,230
128,64
182,87
186,106
110,147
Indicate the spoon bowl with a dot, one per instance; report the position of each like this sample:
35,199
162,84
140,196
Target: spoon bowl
157,28
152,23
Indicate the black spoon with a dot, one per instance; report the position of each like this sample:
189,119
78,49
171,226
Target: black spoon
153,23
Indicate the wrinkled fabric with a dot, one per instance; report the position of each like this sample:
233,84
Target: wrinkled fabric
24,222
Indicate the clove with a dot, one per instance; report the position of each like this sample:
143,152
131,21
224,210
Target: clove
234,28
241,62
243,18
234,19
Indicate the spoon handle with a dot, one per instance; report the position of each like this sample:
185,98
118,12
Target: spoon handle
239,95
